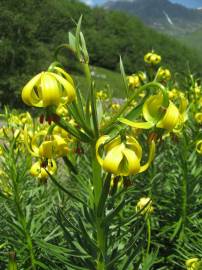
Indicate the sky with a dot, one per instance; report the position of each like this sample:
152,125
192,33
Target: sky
93,2
188,3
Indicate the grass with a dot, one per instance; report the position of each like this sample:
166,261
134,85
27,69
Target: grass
104,80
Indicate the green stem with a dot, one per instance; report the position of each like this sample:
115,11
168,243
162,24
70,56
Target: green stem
184,204
148,235
184,154
101,244
100,228
86,70
97,180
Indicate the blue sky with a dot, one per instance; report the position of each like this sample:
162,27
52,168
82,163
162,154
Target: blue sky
93,2
188,3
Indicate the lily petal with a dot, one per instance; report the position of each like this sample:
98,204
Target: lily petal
28,94
152,149
100,141
143,125
170,119
133,163
113,159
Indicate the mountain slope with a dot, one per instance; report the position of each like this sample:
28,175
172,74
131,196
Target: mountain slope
161,14
27,46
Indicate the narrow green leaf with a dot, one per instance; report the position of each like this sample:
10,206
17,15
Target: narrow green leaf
129,247
88,239
69,193
124,76
177,229
115,212
77,41
84,48
94,110
104,195
70,165
73,131
72,41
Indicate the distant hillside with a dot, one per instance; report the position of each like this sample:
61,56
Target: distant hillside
161,14
31,30
193,40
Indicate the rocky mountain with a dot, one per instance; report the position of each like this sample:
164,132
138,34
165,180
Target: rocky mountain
162,15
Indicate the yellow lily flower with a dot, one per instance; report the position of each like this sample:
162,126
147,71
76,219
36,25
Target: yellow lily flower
145,203
53,146
115,106
152,58
133,81
156,115
199,147
102,95
163,74
122,158
192,264
198,118
61,110
48,88
173,93
38,169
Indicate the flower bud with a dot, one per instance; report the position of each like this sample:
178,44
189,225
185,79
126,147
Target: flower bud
192,264
152,58
198,118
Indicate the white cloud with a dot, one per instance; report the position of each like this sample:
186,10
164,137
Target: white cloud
88,2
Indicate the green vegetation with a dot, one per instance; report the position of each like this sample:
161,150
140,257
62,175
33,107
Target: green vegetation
193,40
104,80
90,183
31,30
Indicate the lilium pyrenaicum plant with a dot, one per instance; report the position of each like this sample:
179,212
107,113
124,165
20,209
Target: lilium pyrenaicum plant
49,88
122,157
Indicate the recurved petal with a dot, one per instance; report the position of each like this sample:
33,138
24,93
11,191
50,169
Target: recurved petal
170,119
35,169
28,142
151,108
65,74
133,144
47,149
116,141
52,166
133,163
113,159
50,90
152,148
68,93
142,125
29,95
100,141
199,147
61,146
35,142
